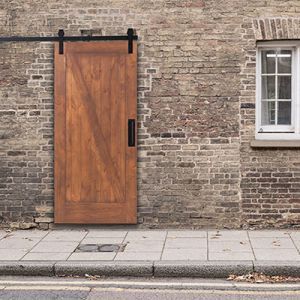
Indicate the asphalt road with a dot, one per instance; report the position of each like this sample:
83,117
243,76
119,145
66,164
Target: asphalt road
185,295
140,289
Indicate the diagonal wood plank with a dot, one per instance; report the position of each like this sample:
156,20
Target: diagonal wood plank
98,136
104,97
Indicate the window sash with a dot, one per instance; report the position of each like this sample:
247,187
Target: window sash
263,130
276,128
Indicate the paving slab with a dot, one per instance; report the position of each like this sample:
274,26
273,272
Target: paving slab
273,243
32,233
18,243
268,234
106,233
55,247
187,234
190,243
12,254
145,256
146,234
227,235
184,254
277,254
2,234
65,235
236,246
102,240
230,255
297,244
295,235
46,256
92,256
144,246
190,252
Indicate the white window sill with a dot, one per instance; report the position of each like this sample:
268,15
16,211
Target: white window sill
275,143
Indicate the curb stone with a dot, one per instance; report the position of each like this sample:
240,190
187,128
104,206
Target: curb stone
200,269
210,269
26,268
277,268
80,268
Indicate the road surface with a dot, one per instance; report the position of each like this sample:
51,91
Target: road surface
39,288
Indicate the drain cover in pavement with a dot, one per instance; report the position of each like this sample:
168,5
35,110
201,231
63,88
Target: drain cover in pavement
100,248
109,248
87,248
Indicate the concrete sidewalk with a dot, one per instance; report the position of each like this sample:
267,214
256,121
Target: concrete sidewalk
199,253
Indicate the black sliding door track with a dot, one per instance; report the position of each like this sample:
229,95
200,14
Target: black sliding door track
61,38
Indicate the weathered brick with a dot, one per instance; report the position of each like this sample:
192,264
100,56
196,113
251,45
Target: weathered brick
16,153
196,111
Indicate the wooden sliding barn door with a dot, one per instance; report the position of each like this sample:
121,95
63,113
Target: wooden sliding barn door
95,134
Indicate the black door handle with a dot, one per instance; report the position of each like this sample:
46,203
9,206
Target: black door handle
131,132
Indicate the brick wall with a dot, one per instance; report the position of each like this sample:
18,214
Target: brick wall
270,178
196,106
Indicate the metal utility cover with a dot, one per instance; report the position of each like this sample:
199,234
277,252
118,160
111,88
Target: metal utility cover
99,248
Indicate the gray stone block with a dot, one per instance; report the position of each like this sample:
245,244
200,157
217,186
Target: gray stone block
201,269
274,268
23,268
80,268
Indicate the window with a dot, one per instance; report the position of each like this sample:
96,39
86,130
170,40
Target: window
277,92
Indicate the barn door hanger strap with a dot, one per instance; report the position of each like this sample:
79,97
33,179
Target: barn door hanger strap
61,38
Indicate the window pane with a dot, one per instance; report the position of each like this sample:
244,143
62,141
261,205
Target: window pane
268,61
284,87
284,112
268,87
268,113
284,61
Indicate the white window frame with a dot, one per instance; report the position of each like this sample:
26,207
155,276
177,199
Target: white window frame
279,132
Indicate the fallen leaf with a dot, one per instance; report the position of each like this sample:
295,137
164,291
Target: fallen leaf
216,235
227,249
261,278
276,243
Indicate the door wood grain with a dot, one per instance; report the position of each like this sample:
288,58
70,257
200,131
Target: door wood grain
95,169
